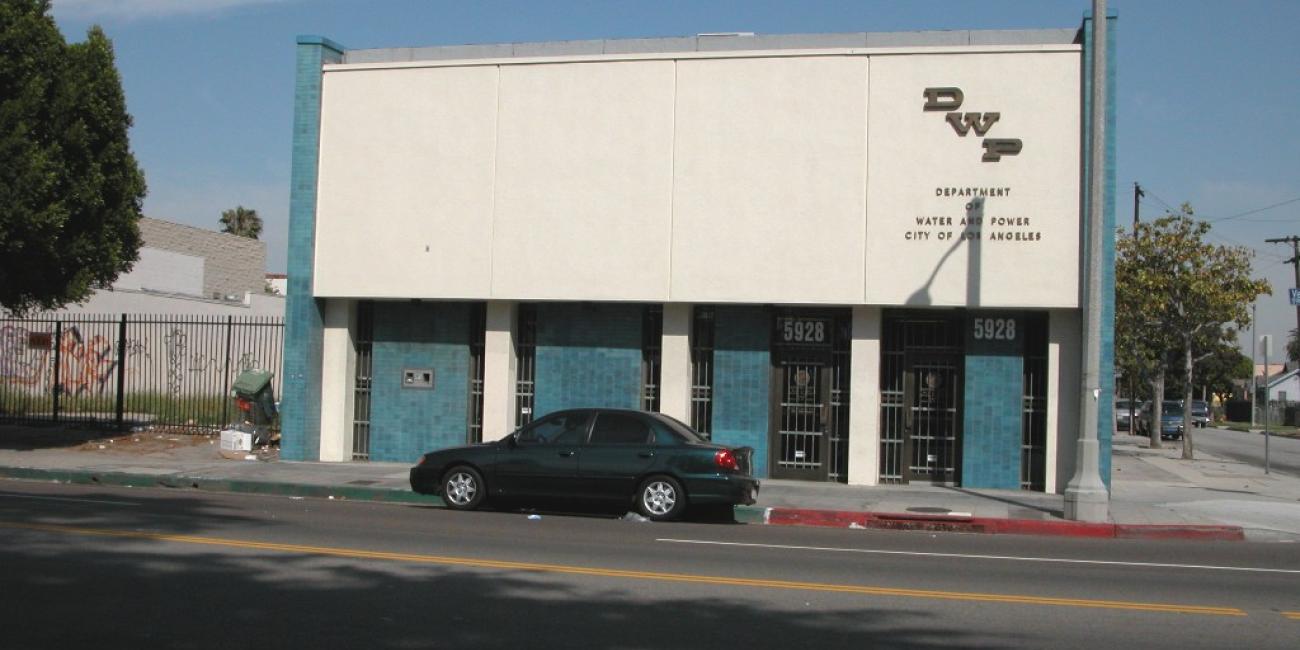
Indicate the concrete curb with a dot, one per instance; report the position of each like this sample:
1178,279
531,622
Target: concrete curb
743,514
241,486
966,524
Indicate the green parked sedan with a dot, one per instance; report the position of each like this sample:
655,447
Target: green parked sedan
649,461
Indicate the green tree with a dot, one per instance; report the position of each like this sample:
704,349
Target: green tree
1142,350
1226,369
1181,292
70,188
241,221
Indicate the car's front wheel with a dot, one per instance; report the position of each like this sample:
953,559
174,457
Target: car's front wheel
661,498
463,488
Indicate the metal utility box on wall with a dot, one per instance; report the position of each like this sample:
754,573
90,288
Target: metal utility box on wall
417,378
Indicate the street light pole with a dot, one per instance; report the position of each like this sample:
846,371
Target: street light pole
1254,352
1266,341
1086,497
1138,194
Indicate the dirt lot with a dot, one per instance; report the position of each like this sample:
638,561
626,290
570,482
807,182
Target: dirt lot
161,441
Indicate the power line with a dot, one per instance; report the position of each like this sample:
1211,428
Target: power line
1140,194
1172,210
1249,212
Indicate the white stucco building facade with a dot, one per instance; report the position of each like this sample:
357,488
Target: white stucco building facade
858,253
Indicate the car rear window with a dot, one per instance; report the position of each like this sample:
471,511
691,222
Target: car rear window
678,427
619,429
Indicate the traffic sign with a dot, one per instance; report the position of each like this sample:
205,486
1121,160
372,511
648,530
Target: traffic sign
1295,296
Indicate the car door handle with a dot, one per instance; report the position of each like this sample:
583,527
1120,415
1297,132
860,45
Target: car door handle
566,454
646,454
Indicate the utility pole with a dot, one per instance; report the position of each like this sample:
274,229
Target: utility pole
1137,195
1295,263
1086,496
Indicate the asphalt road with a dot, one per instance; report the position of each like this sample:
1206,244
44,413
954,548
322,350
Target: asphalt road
118,568
1283,453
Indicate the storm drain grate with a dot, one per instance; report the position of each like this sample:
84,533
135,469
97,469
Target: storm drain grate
930,510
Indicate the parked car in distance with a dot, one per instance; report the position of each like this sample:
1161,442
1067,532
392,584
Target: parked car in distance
1124,414
1171,419
1200,413
648,461
1142,419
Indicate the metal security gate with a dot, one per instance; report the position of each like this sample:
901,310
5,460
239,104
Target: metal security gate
477,366
931,418
810,397
652,336
920,397
1033,452
702,371
526,368
363,380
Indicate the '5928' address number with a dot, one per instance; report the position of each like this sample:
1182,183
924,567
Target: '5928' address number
994,329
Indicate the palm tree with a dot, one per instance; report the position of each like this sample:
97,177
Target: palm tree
241,221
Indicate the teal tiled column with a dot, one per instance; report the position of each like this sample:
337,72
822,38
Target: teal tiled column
304,314
742,380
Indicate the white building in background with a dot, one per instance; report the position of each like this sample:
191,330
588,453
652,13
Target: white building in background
1284,387
183,322
278,283
188,270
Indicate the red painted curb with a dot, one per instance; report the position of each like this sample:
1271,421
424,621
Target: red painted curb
1180,531
1055,527
966,524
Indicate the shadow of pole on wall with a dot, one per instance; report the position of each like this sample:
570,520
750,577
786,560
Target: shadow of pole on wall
970,234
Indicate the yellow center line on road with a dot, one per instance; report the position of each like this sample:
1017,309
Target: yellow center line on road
1295,616
634,575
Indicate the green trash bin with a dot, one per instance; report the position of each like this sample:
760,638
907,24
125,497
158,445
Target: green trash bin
255,398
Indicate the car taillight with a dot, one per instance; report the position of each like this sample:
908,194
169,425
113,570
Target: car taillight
724,459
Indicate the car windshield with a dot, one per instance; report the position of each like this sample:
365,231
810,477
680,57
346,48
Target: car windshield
1171,411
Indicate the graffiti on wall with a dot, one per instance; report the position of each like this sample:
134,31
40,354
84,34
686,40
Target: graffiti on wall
248,362
176,344
86,364
17,365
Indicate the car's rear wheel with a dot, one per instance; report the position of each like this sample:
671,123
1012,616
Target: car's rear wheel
661,498
463,488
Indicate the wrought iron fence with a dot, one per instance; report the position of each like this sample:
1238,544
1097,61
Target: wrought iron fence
123,371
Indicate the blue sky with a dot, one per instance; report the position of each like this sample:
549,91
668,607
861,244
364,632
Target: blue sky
1209,92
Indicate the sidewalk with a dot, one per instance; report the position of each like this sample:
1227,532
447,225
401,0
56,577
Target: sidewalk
1155,495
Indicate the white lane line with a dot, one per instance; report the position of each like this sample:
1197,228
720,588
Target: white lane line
29,496
829,549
